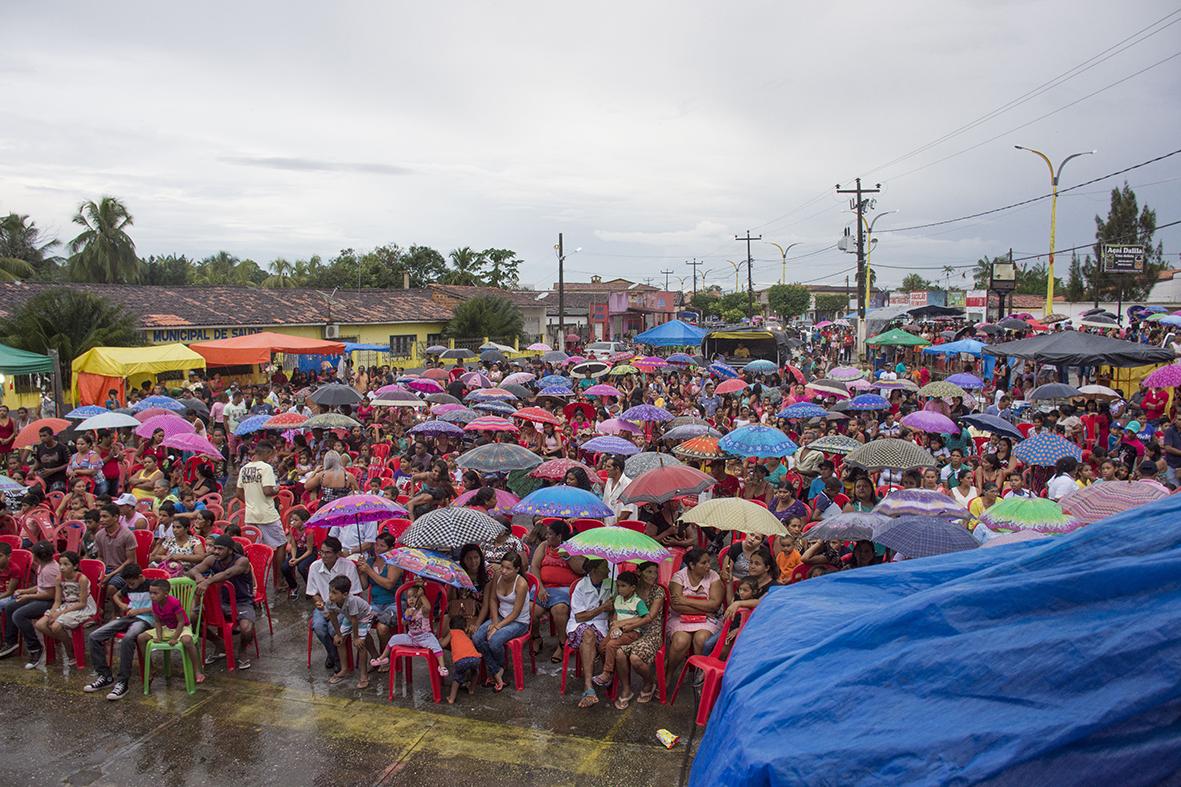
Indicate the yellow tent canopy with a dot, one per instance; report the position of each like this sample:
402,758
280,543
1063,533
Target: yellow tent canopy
100,369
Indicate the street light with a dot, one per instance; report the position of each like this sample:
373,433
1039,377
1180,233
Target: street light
783,253
737,267
870,241
560,250
1054,177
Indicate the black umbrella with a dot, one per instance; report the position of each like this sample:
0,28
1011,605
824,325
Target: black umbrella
194,405
1013,324
521,391
435,349
442,398
459,353
1051,391
988,328
493,356
262,409
335,395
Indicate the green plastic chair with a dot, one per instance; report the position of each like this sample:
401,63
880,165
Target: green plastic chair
185,591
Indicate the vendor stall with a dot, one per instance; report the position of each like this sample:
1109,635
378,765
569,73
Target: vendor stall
103,369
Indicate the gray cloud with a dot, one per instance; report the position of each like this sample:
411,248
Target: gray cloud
294,164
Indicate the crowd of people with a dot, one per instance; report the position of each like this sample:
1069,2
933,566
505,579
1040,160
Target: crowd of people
147,513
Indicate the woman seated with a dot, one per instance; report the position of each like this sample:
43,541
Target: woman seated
436,490
696,593
757,486
663,525
747,591
641,654
76,503
332,481
178,551
555,573
143,481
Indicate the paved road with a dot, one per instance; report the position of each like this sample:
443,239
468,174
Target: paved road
278,722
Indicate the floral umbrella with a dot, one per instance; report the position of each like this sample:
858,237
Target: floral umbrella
616,545
641,463
171,424
429,565
610,444
556,469
757,440
163,402
567,502
519,378
499,458
558,391
355,509
942,389
85,411
835,444
436,429
868,402
1164,377
845,374
703,448
688,432
330,421
603,389
1029,513
505,500
723,371
623,369
284,421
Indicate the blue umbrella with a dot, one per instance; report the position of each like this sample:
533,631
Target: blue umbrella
553,379
761,366
681,359
250,425
802,410
1044,450
86,411
994,424
465,416
866,402
494,407
722,370
436,429
563,501
757,440
646,412
555,390
165,402
610,444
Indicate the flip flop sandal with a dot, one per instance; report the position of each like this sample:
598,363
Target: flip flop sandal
646,696
589,698
622,703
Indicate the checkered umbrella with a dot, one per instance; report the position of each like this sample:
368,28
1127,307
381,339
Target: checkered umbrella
849,526
835,444
920,502
942,389
1044,450
446,529
1029,513
890,452
924,536
704,447
736,514
1100,501
757,440
641,463
499,458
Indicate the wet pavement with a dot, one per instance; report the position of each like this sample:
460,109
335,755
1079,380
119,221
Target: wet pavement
280,722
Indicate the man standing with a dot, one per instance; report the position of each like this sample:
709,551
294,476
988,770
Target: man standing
257,487
233,413
613,487
709,401
328,567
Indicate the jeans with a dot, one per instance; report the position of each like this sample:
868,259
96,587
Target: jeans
492,649
289,570
711,642
131,628
324,632
20,618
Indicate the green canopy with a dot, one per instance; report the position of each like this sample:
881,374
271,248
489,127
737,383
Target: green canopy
896,338
14,361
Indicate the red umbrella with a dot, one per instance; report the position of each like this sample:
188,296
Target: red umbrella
796,373
574,407
537,415
556,469
436,374
30,435
284,421
730,386
491,423
664,483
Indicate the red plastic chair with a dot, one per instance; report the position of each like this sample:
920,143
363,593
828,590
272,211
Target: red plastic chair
713,667
395,527
12,541
348,646
671,565
71,533
242,541
143,545
20,565
216,509
567,650
583,525
520,531
517,647
402,656
214,617
632,524
93,570
252,533
154,573
234,506
260,557
55,499
286,499
212,497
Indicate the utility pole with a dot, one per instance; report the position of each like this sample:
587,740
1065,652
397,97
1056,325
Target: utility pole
859,206
750,287
667,273
561,294
694,265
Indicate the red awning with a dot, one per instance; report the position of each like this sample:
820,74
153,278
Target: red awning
258,347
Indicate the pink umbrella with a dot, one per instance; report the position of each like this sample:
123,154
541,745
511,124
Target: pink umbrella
618,426
476,380
171,423
651,360
860,385
491,423
504,500
730,386
603,389
930,421
381,392
152,412
446,407
519,378
539,347
1164,377
425,385
194,444
573,359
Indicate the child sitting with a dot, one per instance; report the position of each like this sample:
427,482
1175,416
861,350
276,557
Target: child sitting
465,659
73,605
747,589
349,614
417,619
630,611
172,624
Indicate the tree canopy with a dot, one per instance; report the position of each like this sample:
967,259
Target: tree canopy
486,315
69,321
789,300
103,251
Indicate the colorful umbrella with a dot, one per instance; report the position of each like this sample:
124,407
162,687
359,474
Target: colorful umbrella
152,412
623,369
845,374
483,394
563,501
425,385
1099,501
761,366
355,508
703,448
559,391
967,381
835,444
430,566
108,420
491,423
688,432
1044,450
718,369
539,347
554,379
757,440
868,402
847,526
920,502
661,484
618,426
603,389
930,421
802,410
646,413
993,424
461,416
494,407
924,536
1029,513
641,463
393,391
170,424
192,443
451,528
537,415
163,402
436,373
250,425
30,435
499,458
436,429
683,359
475,380
505,500
447,407
942,389
735,514
403,400
890,452
284,421
616,545
85,411
11,485
519,378
828,388
1164,377
730,387
556,469
610,444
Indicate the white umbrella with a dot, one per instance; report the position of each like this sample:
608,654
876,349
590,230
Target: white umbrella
111,420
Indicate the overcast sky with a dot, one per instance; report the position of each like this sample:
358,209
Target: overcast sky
648,133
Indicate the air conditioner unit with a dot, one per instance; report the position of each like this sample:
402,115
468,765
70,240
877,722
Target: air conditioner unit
332,331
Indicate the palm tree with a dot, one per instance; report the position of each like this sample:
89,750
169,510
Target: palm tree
282,275
466,264
104,252
21,240
69,321
486,315
504,267
224,269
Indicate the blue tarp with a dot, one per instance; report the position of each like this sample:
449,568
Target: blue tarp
1046,662
967,346
673,333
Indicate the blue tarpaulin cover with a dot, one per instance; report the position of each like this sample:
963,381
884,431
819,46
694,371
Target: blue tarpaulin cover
673,333
1055,661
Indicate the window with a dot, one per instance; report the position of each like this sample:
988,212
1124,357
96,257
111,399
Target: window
402,344
435,338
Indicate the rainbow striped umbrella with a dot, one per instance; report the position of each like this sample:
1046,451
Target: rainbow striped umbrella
616,545
1029,513
921,502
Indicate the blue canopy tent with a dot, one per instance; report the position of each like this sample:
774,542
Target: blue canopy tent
965,347
1032,663
673,333
308,363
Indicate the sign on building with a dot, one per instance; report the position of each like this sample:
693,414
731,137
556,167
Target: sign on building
1123,258
918,298
975,299
899,299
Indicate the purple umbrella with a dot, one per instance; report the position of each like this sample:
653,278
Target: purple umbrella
355,509
969,382
446,407
603,389
1164,377
193,443
930,421
425,385
618,426
436,429
476,380
171,424
868,402
647,412
610,445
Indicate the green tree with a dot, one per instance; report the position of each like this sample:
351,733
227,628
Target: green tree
1126,222
486,315
832,304
466,267
169,270
69,321
282,275
1031,279
22,241
789,300
913,282
226,270
103,251
1076,285
706,303
504,268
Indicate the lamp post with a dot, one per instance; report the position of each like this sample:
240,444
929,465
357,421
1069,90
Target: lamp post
1055,175
870,240
737,267
561,251
783,254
